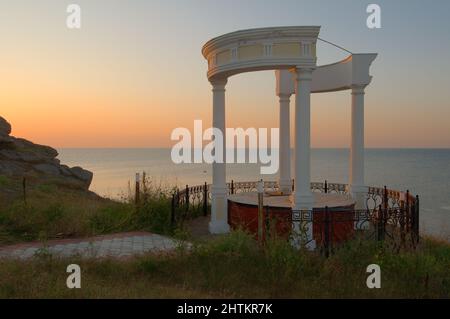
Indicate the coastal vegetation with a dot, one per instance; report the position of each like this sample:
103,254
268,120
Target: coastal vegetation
236,266
49,210
228,266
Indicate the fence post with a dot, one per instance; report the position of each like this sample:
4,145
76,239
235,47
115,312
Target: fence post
232,187
416,220
137,191
293,184
327,233
260,210
187,198
205,200
385,199
326,187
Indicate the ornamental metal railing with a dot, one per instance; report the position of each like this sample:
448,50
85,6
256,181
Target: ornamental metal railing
389,214
396,227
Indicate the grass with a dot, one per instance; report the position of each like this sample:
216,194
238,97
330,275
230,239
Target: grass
235,266
51,211
231,266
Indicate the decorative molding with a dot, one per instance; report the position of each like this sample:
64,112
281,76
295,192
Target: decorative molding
259,64
241,37
284,97
304,74
358,89
253,50
219,84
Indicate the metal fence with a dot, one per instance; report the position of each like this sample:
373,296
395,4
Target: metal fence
390,216
397,228
190,202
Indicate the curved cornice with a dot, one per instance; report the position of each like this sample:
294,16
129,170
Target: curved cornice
281,48
257,65
260,33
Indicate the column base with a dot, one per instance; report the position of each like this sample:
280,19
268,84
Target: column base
219,227
219,211
359,194
303,230
302,235
303,201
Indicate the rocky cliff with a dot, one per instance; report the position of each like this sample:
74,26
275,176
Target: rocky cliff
20,158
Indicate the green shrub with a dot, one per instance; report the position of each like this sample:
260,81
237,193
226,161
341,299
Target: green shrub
29,221
113,218
237,243
154,214
51,211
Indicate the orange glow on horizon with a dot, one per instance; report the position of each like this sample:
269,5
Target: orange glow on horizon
117,84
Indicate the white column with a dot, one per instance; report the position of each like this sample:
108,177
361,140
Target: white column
356,170
303,198
219,214
285,180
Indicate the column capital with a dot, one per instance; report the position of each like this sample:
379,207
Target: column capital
219,84
358,89
304,74
284,97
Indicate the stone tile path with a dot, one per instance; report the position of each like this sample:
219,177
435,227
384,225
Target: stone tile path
116,246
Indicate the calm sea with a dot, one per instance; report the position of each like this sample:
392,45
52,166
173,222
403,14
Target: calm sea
423,171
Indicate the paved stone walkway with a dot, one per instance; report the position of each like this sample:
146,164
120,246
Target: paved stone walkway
116,246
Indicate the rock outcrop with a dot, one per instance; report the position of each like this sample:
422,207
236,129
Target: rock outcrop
20,158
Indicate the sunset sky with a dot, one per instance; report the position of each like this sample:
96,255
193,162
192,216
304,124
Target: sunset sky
134,71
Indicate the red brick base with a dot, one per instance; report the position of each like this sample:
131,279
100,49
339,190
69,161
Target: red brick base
279,222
